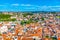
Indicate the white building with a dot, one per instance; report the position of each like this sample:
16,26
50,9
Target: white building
3,29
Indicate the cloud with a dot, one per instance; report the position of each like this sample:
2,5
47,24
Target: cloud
26,5
15,4
21,4
48,8
41,8
32,7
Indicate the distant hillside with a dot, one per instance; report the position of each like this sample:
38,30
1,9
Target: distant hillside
33,12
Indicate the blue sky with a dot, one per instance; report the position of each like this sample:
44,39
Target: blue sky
29,5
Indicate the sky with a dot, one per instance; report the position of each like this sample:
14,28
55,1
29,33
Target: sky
29,5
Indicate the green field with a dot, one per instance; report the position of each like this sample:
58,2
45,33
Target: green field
6,17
